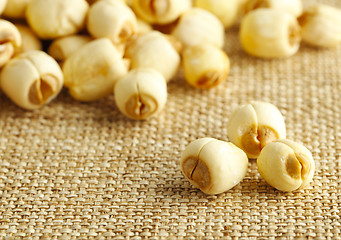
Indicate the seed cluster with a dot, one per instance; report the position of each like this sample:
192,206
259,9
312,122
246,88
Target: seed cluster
97,43
256,130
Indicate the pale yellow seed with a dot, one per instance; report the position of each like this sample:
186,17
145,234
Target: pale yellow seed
212,165
321,26
205,66
51,19
254,125
270,33
92,71
286,165
141,94
61,48
32,79
111,19
199,27
154,50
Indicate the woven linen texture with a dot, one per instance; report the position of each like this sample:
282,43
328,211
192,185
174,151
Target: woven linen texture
74,170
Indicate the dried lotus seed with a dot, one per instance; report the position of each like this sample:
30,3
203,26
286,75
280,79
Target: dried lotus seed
50,19
205,66
199,27
321,26
270,33
254,125
61,48
154,50
92,71
112,19
31,79
212,165
286,165
141,94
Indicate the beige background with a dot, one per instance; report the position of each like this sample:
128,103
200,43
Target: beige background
83,170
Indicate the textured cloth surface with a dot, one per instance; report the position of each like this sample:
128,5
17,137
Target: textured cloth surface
83,170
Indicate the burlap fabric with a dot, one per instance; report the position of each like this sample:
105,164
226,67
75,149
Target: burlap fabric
82,170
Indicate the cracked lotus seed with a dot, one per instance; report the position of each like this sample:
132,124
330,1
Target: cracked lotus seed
212,165
252,126
141,94
32,79
286,165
